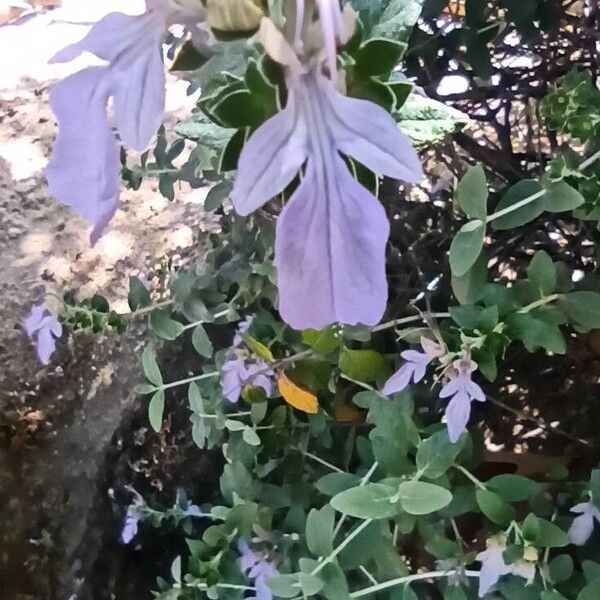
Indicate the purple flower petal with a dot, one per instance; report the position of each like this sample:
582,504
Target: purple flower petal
475,391
34,321
45,345
399,380
330,247
458,412
270,159
369,134
492,568
451,388
581,529
130,528
84,170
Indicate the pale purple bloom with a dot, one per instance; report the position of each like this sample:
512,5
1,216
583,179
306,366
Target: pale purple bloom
332,234
493,566
582,527
258,569
130,526
414,368
462,390
43,325
237,374
241,330
83,172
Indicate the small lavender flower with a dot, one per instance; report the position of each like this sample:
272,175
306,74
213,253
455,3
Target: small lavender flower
130,526
242,328
258,569
332,234
493,566
41,323
414,368
84,171
462,391
236,374
582,527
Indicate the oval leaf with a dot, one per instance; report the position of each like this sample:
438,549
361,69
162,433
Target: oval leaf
466,247
371,501
297,397
420,498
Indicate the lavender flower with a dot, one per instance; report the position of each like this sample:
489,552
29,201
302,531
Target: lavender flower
582,527
332,234
414,368
463,391
83,172
242,328
236,374
130,526
258,569
41,323
493,566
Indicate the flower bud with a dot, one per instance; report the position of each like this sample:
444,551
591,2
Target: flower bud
234,15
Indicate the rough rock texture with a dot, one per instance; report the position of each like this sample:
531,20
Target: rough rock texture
59,425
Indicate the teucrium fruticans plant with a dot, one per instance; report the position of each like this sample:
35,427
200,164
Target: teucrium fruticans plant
329,469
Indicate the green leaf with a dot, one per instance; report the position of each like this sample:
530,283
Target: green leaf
420,498
319,530
156,409
426,121
560,568
436,454
144,388
550,535
310,584
150,366
526,213
494,507
560,197
590,591
552,595
378,56
217,195
466,247
513,488
323,341
250,437
468,287
363,365
200,127
334,483
535,333
201,342
371,501
138,296
542,273
582,309
398,20
336,586
472,193
284,586
165,327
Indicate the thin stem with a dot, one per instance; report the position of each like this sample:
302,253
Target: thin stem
148,309
363,482
167,386
369,576
337,550
584,165
405,320
516,206
470,476
203,321
540,302
319,460
409,579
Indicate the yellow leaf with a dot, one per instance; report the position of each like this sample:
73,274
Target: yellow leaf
258,348
296,396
